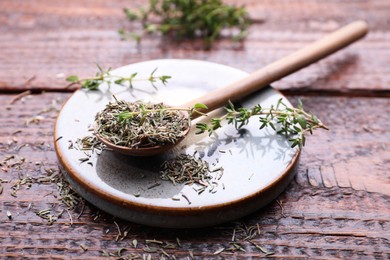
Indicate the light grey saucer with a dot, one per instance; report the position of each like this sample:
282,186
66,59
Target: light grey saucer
257,163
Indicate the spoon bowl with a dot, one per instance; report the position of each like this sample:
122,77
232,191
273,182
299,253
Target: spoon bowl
259,79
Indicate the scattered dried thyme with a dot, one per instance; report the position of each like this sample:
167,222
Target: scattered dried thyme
139,124
88,143
47,215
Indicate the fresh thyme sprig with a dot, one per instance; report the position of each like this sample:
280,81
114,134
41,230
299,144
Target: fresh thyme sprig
294,123
190,19
105,76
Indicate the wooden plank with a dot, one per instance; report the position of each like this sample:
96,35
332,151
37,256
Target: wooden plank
48,40
310,219
296,15
357,147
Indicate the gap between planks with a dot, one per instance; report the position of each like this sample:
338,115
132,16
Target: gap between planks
352,93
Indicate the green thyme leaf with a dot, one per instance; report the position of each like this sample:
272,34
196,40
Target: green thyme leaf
200,106
202,127
132,16
302,121
73,78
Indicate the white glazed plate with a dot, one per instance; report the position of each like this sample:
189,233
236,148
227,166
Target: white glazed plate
257,164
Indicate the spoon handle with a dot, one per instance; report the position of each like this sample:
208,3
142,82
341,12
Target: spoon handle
283,67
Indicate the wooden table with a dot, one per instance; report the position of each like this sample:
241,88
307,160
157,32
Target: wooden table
337,206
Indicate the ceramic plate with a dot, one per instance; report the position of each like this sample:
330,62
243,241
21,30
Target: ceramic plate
256,163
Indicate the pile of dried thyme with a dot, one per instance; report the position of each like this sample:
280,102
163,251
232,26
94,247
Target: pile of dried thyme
139,124
188,169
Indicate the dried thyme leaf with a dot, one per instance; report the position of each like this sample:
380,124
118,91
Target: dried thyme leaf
262,249
154,185
148,249
175,198
219,251
186,198
83,247
178,242
120,251
154,241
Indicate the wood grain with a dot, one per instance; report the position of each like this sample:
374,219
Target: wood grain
50,40
332,209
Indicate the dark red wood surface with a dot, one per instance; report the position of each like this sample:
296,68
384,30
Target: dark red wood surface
338,205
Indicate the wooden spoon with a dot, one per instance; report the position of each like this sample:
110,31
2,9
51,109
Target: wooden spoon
260,78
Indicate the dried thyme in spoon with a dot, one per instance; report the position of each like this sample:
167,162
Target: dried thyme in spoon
139,124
